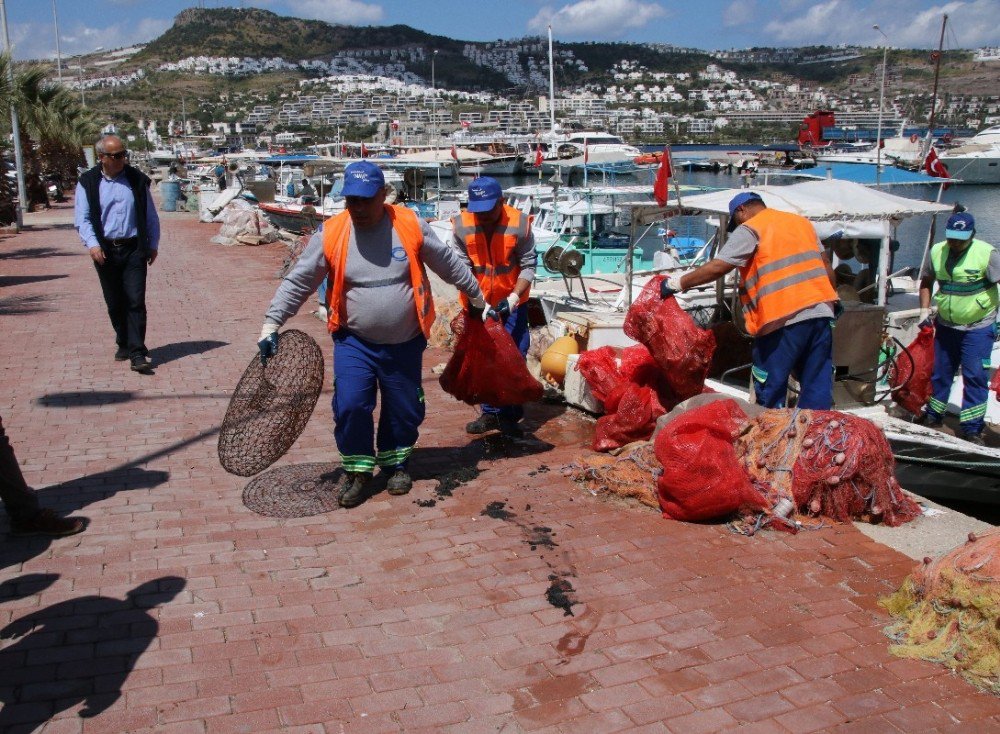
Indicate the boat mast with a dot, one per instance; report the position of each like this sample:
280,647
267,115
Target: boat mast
937,73
552,88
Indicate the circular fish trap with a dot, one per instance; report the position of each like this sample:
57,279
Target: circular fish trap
299,490
271,405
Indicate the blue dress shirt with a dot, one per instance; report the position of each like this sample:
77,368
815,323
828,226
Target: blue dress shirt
117,213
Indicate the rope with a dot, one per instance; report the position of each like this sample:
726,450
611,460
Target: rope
947,462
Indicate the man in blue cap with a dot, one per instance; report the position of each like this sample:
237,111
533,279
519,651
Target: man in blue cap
373,257
496,241
967,271
788,298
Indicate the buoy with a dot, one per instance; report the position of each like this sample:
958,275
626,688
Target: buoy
554,358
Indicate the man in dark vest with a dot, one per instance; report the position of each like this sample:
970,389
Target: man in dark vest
118,223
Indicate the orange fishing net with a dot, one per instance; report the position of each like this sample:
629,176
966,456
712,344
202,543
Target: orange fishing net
631,474
947,611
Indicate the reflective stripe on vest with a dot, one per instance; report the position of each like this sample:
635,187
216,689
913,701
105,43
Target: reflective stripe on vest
494,263
337,235
964,295
786,273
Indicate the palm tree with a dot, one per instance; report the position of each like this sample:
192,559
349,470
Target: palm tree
54,127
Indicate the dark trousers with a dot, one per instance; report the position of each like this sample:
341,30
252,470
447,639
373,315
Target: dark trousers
969,351
517,326
123,281
17,496
805,350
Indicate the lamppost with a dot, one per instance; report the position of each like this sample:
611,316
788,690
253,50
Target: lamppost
79,71
55,21
433,99
15,128
881,102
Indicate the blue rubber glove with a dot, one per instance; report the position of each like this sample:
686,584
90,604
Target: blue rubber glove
926,318
268,344
501,311
670,286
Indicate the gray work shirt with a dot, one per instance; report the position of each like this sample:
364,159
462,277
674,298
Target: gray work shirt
377,285
739,249
992,275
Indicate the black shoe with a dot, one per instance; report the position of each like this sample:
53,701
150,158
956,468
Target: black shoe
931,421
45,522
121,354
973,438
483,424
143,365
511,429
355,489
399,483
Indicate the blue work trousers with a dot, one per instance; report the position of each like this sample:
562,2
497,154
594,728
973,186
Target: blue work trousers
805,350
970,350
362,370
517,326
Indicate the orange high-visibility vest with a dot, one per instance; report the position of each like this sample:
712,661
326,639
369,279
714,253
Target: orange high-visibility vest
494,263
786,274
337,234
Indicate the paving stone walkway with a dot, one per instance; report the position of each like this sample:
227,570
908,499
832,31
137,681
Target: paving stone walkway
514,601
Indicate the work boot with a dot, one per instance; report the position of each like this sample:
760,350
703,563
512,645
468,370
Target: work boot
974,438
511,429
46,522
399,483
121,354
355,489
483,424
929,420
143,365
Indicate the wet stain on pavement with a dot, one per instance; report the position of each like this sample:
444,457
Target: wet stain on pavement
497,512
448,483
560,594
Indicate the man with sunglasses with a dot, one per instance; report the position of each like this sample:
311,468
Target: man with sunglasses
119,225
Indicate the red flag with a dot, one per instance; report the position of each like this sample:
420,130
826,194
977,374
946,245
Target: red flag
364,150
934,166
663,174
454,153
586,151
538,155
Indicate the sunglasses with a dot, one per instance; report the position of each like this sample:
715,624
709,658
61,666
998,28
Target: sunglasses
117,156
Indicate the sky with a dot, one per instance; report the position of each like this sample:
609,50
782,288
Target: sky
86,25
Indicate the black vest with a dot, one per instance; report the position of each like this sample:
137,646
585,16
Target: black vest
139,183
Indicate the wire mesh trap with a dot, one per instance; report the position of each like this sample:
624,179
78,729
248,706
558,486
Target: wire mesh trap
271,405
298,490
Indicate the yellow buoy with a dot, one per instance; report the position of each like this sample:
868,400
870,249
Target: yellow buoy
554,358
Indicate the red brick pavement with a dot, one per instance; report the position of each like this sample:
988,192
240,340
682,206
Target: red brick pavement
391,616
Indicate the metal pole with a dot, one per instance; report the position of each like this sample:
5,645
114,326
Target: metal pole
881,102
22,195
552,88
55,21
937,72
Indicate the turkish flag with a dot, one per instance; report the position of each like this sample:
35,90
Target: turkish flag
454,153
663,174
538,155
586,152
364,150
935,167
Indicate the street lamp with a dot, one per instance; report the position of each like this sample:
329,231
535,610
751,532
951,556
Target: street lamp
433,98
881,102
22,196
79,71
55,21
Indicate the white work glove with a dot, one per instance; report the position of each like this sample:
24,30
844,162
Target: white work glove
267,345
674,282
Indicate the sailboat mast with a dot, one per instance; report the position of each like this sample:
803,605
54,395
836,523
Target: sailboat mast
552,87
937,74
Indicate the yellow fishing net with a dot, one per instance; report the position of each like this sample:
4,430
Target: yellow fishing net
948,611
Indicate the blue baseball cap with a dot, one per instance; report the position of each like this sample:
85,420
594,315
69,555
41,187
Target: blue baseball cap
363,179
736,202
484,192
960,226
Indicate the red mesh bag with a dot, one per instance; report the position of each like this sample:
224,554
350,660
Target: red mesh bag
845,470
680,347
633,420
702,477
487,366
599,368
911,381
640,367
995,384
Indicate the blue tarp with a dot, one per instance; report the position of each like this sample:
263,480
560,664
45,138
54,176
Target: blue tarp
865,173
289,159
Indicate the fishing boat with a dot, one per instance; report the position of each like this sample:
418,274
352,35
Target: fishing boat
976,161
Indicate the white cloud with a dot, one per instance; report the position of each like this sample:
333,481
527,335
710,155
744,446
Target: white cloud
596,18
972,24
37,40
349,12
738,13
816,26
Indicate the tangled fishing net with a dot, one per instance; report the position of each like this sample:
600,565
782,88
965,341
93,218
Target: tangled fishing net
271,405
631,474
910,374
486,366
825,463
681,348
947,611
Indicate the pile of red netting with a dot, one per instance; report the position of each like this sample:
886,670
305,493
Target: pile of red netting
487,366
702,477
681,348
995,384
910,377
827,463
